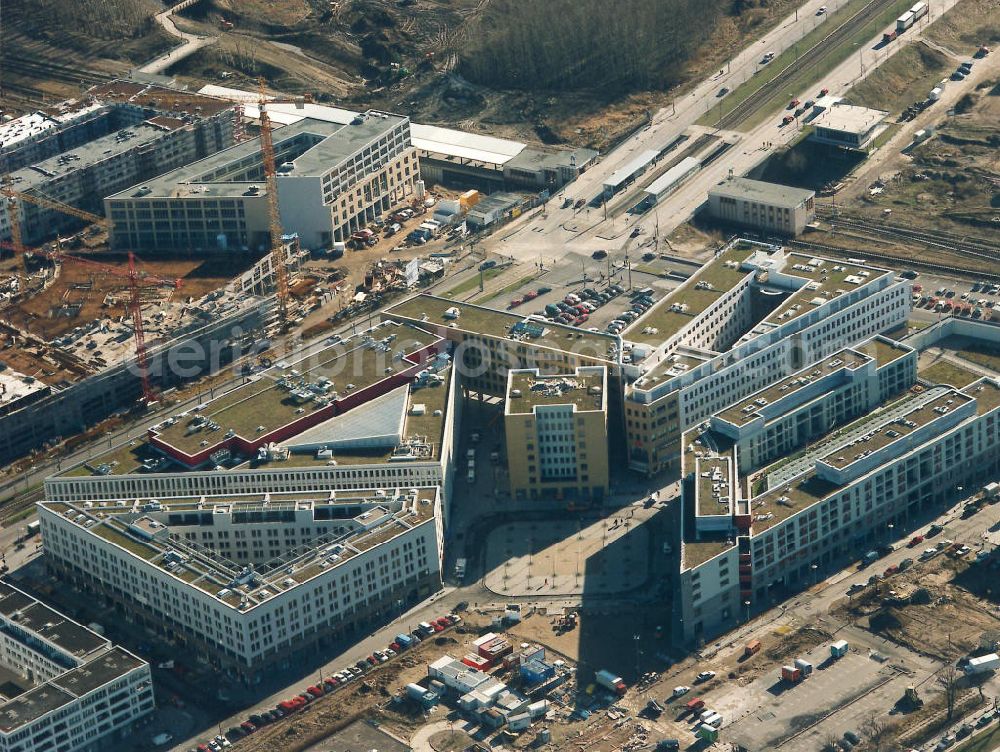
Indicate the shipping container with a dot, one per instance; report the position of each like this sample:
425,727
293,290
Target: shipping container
791,674
694,705
751,648
839,649
804,666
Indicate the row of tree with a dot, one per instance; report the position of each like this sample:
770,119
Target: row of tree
596,45
108,19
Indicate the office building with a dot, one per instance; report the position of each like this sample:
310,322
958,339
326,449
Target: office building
332,180
751,316
557,434
252,582
848,126
66,687
765,509
119,134
768,207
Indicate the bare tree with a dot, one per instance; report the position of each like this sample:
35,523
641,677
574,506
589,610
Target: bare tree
877,729
948,679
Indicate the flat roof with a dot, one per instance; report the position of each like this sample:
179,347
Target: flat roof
32,705
715,481
697,552
377,516
986,392
824,281
679,308
92,152
766,193
317,147
431,138
896,430
849,118
630,168
577,389
745,410
98,672
883,351
290,390
671,176
483,321
434,138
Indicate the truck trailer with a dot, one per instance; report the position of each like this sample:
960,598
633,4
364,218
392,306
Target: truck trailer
982,663
610,681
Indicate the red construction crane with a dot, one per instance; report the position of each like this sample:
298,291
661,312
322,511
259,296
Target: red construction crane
273,212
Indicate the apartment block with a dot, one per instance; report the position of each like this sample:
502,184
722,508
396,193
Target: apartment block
120,134
760,518
65,686
557,434
257,581
332,180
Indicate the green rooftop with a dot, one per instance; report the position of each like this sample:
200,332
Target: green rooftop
884,353
986,394
253,410
667,317
826,280
587,391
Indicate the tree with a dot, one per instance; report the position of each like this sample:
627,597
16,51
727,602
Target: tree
877,729
949,681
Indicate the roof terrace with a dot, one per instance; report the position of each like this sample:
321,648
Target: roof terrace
585,389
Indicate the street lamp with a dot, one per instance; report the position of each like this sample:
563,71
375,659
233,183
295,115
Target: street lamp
747,605
815,569
636,639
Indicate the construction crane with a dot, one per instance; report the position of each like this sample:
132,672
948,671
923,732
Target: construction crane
136,279
273,211
50,203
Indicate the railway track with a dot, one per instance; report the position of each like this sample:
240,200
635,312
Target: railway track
38,70
753,103
937,239
891,260
14,506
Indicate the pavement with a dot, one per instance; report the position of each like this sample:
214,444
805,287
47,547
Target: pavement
190,43
561,230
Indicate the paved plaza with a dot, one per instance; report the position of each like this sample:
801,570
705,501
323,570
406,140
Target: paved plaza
568,557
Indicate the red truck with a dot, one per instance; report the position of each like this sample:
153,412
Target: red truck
889,36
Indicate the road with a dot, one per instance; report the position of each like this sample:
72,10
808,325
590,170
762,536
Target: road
585,230
190,43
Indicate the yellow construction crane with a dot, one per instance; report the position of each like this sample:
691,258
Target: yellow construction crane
50,203
14,214
273,212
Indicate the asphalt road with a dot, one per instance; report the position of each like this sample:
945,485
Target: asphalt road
586,230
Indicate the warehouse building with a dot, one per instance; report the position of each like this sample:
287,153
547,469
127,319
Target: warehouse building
557,434
121,134
65,686
332,180
768,207
253,582
848,126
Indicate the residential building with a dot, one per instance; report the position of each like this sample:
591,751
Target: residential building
253,582
120,134
333,179
768,207
66,687
557,434
756,529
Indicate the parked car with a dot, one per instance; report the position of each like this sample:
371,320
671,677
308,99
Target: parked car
598,255
680,691
705,676
915,541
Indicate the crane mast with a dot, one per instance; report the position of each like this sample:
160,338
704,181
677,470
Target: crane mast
273,211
